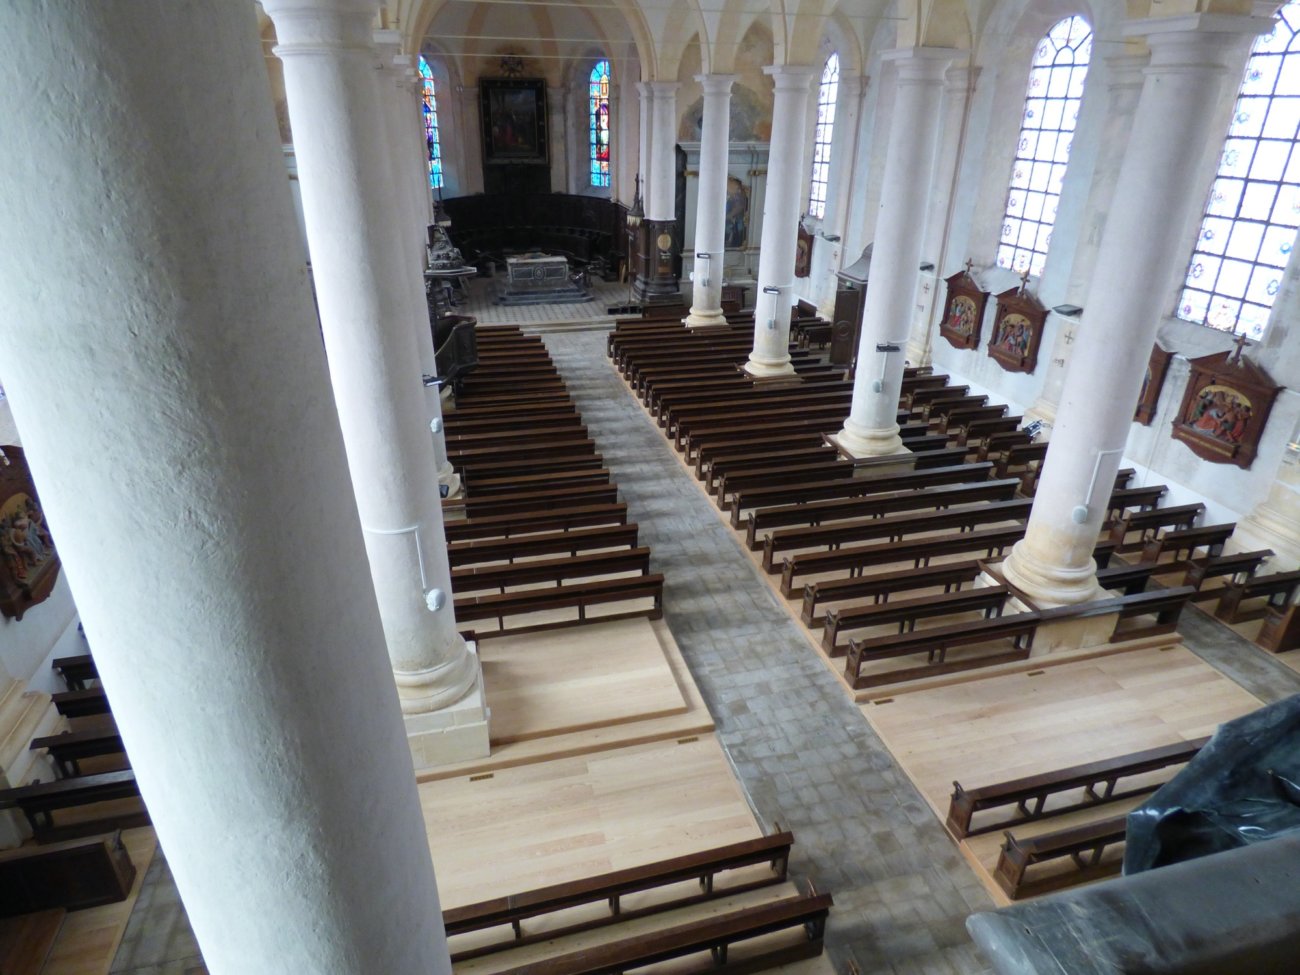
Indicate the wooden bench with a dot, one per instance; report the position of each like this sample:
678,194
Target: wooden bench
1020,457
610,888
856,487
813,513
73,875
1085,845
465,553
893,527
1182,544
1277,588
935,642
540,499
579,595
1128,578
514,524
715,935
1165,604
1028,796
1239,565
503,576
1148,523
68,749
1142,498
951,575
994,445
922,396
987,600
919,552
41,801
77,704
76,671
482,483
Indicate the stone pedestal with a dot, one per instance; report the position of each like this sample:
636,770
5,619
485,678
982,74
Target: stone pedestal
1139,250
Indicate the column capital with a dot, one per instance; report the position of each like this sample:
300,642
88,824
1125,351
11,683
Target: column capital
961,77
921,64
790,77
1126,70
317,26
716,84
852,85
661,89
1195,41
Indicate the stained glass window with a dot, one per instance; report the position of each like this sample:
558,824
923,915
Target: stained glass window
1056,79
1250,221
431,124
598,122
821,166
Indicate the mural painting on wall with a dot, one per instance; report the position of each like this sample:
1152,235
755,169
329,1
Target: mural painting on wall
514,120
1152,382
1017,329
1224,408
737,225
963,310
29,565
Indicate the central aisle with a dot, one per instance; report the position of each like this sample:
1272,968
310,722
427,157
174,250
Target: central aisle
804,752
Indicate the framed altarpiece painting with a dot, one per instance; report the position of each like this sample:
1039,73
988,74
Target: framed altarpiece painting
1224,408
29,566
963,310
1017,330
513,116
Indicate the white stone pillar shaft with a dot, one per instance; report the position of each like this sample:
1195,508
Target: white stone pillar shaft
645,98
1136,260
180,423
363,288
711,202
786,180
871,428
661,203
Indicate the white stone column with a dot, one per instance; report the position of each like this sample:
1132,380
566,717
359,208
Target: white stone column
786,180
410,182
646,99
364,292
661,197
1124,85
1136,262
711,202
180,424
871,428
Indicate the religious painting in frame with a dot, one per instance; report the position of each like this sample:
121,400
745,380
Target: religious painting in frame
963,310
513,114
803,249
736,232
1224,408
1152,383
1017,330
29,566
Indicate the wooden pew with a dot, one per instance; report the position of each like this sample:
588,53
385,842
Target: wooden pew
469,552
1019,457
1184,542
892,527
494,482
501,576
736,432
855,487
76,671
1128,578
68,749
1142,498
918,551
73,876
994,445
922,396
1281,629
1085,845
1165,604
987,600
1238,565
1148,523
935,642
40,802
610,888
744,449
525,523
951,575
806,914
815,513
814,468
77,704
1026,799
580,595
1278,589
498,504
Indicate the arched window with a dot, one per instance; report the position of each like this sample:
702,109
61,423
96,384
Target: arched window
821,166
1250,221
431,124
598,122
1056,79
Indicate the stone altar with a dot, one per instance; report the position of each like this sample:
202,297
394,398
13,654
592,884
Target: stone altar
538,278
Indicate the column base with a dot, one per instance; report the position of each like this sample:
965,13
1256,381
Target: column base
439,687
1050,585
456,733
761,370
859,443
705,318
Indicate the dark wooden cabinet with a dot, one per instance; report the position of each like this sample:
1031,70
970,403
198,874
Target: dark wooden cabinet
846,326
73,875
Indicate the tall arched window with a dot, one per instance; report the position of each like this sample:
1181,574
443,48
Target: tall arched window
1056,79
1249,228
821,166
431,124
598,122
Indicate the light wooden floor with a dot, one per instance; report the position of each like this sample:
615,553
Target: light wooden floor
984,731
